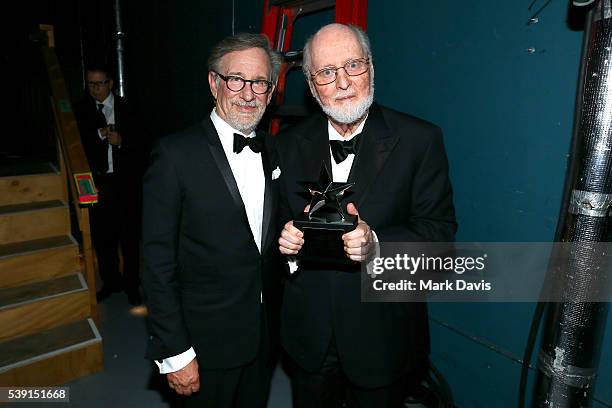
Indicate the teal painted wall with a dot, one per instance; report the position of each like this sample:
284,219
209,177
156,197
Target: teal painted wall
507,116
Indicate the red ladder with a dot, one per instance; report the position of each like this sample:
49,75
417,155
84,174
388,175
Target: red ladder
278,20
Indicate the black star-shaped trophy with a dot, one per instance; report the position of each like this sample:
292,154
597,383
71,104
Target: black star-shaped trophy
325,222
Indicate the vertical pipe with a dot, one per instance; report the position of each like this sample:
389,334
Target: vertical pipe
120,46
81,46
570,175
571,346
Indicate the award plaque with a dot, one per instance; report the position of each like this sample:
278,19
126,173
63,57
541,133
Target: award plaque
325,222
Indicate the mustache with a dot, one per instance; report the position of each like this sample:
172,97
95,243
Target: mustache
343,95
252,104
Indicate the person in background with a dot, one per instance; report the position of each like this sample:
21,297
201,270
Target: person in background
111,139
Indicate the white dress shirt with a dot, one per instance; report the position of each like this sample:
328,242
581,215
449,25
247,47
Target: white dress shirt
109,113
248,172
340,171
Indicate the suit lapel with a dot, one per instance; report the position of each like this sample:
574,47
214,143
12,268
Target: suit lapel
377,143
268,198
216,150
314,148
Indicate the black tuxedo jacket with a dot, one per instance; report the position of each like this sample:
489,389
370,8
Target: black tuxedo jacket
127,159
203,274
403,192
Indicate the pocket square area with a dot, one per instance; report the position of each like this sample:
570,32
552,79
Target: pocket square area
276,173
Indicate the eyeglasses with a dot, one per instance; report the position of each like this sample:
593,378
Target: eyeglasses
94,84
236,84
353,67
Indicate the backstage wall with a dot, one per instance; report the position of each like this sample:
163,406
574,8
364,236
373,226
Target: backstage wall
503,92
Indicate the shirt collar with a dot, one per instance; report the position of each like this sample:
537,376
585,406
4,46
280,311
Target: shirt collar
334,135
108,102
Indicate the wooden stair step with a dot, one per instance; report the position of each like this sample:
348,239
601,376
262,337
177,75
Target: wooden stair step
38,306
37,290
52,356
24,167
16,189
30,206
34,220
37,260
35,245
27,347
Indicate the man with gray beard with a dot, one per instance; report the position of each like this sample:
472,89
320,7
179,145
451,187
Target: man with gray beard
210,259
345,352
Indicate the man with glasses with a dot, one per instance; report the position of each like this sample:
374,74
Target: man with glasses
211,262
345,352
110,138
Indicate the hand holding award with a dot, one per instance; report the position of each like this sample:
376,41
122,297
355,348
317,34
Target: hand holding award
325,222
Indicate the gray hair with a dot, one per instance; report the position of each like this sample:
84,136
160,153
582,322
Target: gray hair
241,42
361,36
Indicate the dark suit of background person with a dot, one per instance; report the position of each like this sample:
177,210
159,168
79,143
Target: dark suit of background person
403,192
211,293
115,219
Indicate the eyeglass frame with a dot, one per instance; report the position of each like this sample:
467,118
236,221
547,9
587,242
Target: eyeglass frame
95,84
244,82
366,60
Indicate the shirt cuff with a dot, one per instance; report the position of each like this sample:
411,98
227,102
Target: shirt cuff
376,254
376,245
100,135
293,265
175,363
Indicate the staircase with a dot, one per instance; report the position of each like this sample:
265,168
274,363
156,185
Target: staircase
47,330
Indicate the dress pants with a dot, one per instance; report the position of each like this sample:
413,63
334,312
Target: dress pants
330,388
115,223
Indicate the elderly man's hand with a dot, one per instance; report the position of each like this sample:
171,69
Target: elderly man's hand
291,239
358,242
186,380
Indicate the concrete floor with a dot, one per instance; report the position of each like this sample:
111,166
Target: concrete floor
128,380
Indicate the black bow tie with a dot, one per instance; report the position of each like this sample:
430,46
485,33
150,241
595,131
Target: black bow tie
341,149
254,143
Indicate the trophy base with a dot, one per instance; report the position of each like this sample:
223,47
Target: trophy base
323,240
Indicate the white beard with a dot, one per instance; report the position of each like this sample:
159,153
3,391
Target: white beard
242,123
351,112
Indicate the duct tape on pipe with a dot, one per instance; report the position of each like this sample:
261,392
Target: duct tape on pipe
570,375
589,203
603,10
